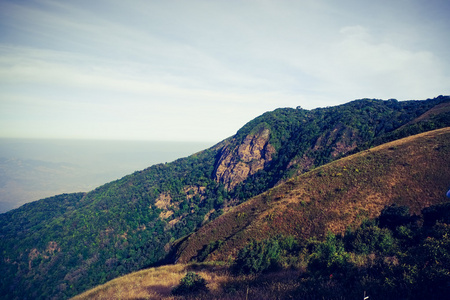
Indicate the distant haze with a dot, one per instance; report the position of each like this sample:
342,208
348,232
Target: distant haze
32,169
198,70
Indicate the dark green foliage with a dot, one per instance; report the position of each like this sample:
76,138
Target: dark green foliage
392,269
189,284
407,262
267,255
258,257
435,121
372,239
288,244
393,216
329,256
436,213
212,246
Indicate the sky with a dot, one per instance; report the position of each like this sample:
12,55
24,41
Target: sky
199,70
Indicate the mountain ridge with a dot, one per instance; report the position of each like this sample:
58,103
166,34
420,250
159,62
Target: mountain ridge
130,223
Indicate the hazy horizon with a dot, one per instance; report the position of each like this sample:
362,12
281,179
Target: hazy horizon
32,169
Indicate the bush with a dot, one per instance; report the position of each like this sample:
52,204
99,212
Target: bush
436,213
393,216
191,283
372,239
329,256
258,257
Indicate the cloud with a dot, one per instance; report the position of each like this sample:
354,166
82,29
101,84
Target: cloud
73,95
359,64
56,69
160,66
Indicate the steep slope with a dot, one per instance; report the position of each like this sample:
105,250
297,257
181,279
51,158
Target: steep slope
300,140
411,172
130,223
437,117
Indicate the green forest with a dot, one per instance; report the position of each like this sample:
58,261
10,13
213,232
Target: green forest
61,246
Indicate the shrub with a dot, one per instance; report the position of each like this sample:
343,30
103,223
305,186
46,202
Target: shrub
372,239
208,249
258,257
393,216
436,213
329,256
191,283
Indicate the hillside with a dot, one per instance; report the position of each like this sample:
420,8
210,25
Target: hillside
410,172
157,284
385,176
60,246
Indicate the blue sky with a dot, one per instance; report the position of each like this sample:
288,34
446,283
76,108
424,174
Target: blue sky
199,70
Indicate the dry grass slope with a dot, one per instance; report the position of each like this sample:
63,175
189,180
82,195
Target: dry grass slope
147,284
157,283
412,171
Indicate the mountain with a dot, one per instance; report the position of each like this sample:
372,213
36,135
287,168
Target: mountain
60,246
411,172
364,199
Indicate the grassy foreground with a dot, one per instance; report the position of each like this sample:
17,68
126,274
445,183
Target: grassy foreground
157,283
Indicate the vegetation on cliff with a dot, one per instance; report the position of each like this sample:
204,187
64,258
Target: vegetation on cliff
63,245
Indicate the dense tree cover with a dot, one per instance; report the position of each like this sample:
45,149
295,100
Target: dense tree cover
258,257
61,246
440,119
68,243
408,258
311,138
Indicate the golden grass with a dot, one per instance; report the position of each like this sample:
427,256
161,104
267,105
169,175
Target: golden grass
157,283
154,283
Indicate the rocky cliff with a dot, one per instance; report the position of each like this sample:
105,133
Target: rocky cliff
237,163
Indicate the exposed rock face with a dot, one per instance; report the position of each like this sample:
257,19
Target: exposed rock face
164,202
237,163
191,191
